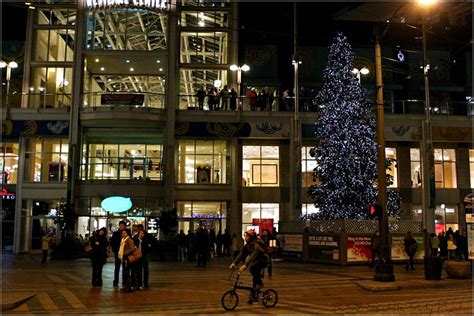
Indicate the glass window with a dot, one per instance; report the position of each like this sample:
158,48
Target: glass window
55,45
50,87
203,162
122,161
139,29
445,168
308,209
209,215
191,80
308,164
46,160
9,162
446,217
391,153
260,216
471,166
415,167
260,166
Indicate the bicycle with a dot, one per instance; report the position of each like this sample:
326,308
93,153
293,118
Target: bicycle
230,299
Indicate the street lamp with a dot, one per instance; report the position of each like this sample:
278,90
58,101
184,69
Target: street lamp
11,65
364,71
427,155
239,70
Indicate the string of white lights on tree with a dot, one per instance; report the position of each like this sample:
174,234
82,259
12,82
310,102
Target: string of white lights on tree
346,153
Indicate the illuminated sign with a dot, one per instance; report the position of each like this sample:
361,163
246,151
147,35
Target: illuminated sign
400,56
7,195
152,225
101,4
116,204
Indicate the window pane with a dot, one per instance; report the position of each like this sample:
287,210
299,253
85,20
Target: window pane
415,174
9,162
449,155
450,175
250,152
414,154
270,152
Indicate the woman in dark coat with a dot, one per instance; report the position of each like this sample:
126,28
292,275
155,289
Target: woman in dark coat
99,245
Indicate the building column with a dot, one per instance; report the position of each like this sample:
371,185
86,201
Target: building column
172,89
17,231
234,222
27,59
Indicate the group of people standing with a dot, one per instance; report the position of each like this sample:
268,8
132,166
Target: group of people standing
124,245
449,245
224,99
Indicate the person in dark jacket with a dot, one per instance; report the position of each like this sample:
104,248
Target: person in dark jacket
233,99
410,248
115,244
202,240
140,269
201,95
226,242
98,255
255,259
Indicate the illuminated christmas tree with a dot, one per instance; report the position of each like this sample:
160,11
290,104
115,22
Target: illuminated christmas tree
346,153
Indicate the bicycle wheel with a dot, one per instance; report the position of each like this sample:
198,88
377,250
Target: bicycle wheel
229,300
269,298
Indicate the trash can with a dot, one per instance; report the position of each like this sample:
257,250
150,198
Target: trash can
433,268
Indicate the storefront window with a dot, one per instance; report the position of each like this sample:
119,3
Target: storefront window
445,168
209,215
260,216
446,217
50,87
122,161
417,213
9,163
204,162
415,167
46,160
471,166
308,209
391,153
308,164
260,166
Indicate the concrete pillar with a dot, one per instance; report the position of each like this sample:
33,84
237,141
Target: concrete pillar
463,173
235,218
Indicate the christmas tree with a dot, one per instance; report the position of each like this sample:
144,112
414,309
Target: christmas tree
346,153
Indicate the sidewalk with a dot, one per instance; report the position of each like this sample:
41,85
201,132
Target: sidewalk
23,277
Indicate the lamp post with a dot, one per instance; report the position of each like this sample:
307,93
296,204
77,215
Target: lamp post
239,70
11,65
358,72
427,155
384,267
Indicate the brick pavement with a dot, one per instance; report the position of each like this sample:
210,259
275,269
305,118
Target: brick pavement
175,288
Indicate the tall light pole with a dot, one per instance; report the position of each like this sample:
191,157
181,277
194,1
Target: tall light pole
11,65
384,267
427,155
296,61
239,70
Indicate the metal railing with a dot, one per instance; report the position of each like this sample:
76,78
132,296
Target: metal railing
123,169
36,100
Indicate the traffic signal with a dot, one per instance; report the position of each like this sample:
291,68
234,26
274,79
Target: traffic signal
375,211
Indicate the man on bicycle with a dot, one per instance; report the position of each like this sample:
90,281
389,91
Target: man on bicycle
255,259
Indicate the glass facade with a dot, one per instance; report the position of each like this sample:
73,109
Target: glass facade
204,161
9,163
209,215
391,153
445,168
122,162
46,160
260,166
446,217
415,167
308,164
260,216
471,166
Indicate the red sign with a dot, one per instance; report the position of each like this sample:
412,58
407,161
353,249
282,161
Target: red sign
263,223
6,195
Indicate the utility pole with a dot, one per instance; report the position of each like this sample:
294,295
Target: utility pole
384,267
296,124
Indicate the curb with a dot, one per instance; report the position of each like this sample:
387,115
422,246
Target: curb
375,286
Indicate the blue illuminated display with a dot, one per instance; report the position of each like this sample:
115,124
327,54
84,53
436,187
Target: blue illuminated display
116,204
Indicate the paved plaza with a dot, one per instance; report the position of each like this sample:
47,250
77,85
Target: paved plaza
63,287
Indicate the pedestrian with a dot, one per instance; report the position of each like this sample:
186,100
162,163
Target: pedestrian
226,242
233,99
374,246
191,246
410,249
252,95
182,246
225,98
202,247
98,254
45,243
219,244
443,245
237,245
201,95
212,242
434,245
115,244
127,247
266,237
451,241
141,271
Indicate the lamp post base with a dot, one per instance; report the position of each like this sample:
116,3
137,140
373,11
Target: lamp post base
384,272
384,267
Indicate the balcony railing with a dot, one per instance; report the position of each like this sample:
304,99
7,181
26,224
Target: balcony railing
124,99
37,100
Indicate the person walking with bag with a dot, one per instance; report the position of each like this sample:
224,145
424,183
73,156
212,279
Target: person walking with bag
410,248
98,255
140,270
115,244
126,249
